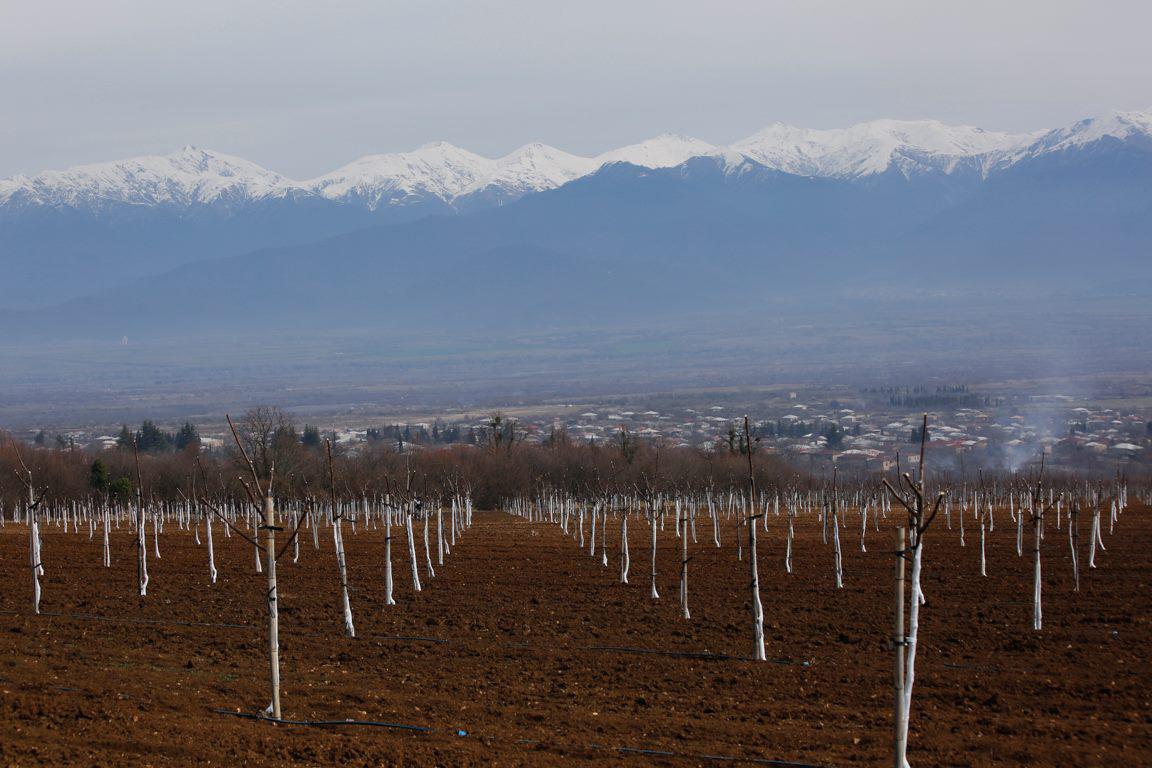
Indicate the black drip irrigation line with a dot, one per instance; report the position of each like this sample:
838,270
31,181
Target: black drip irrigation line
406,639
629,751
689,654
714,758
329,723
972,667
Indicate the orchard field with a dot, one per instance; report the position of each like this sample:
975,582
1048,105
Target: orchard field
525,650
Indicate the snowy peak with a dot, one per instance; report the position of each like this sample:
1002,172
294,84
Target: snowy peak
437,171
531,168
189,177
1121,126
869,148
664,151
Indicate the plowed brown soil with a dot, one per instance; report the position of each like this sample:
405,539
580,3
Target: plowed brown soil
534,650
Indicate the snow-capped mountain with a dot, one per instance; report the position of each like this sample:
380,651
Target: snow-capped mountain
871,148
531,168
68,233
189,177
436,171
446,175
460,178
1116,126
665,151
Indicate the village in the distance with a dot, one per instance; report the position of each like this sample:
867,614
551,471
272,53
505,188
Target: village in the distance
857,431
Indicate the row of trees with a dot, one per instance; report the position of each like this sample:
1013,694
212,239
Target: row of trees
507,469
152,439
499,468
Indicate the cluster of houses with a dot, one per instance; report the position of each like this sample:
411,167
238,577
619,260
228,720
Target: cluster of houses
854,432
824,432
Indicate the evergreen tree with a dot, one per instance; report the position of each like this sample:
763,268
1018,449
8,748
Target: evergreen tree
98,476
152,439
834,435
187,437
120,488
627,445
311,438
285,443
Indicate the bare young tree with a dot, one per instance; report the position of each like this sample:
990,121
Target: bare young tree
141,526
921,513
338,540
35,560
260,494
753,566
1038,512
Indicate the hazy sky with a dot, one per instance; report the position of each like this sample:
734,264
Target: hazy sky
303,87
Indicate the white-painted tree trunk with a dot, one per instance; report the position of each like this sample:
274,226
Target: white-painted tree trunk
107,543
342,569
428,550
1095,536
625,561
211,547
156,534
910,647
34,557
899,750
791,533
440,534
983,561
273,606
757,607
655,594
456,512
592,544
1037,611
141,547
296,536
388,597
412,547
256,550
836,547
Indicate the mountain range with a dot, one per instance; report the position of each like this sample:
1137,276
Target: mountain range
545,235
